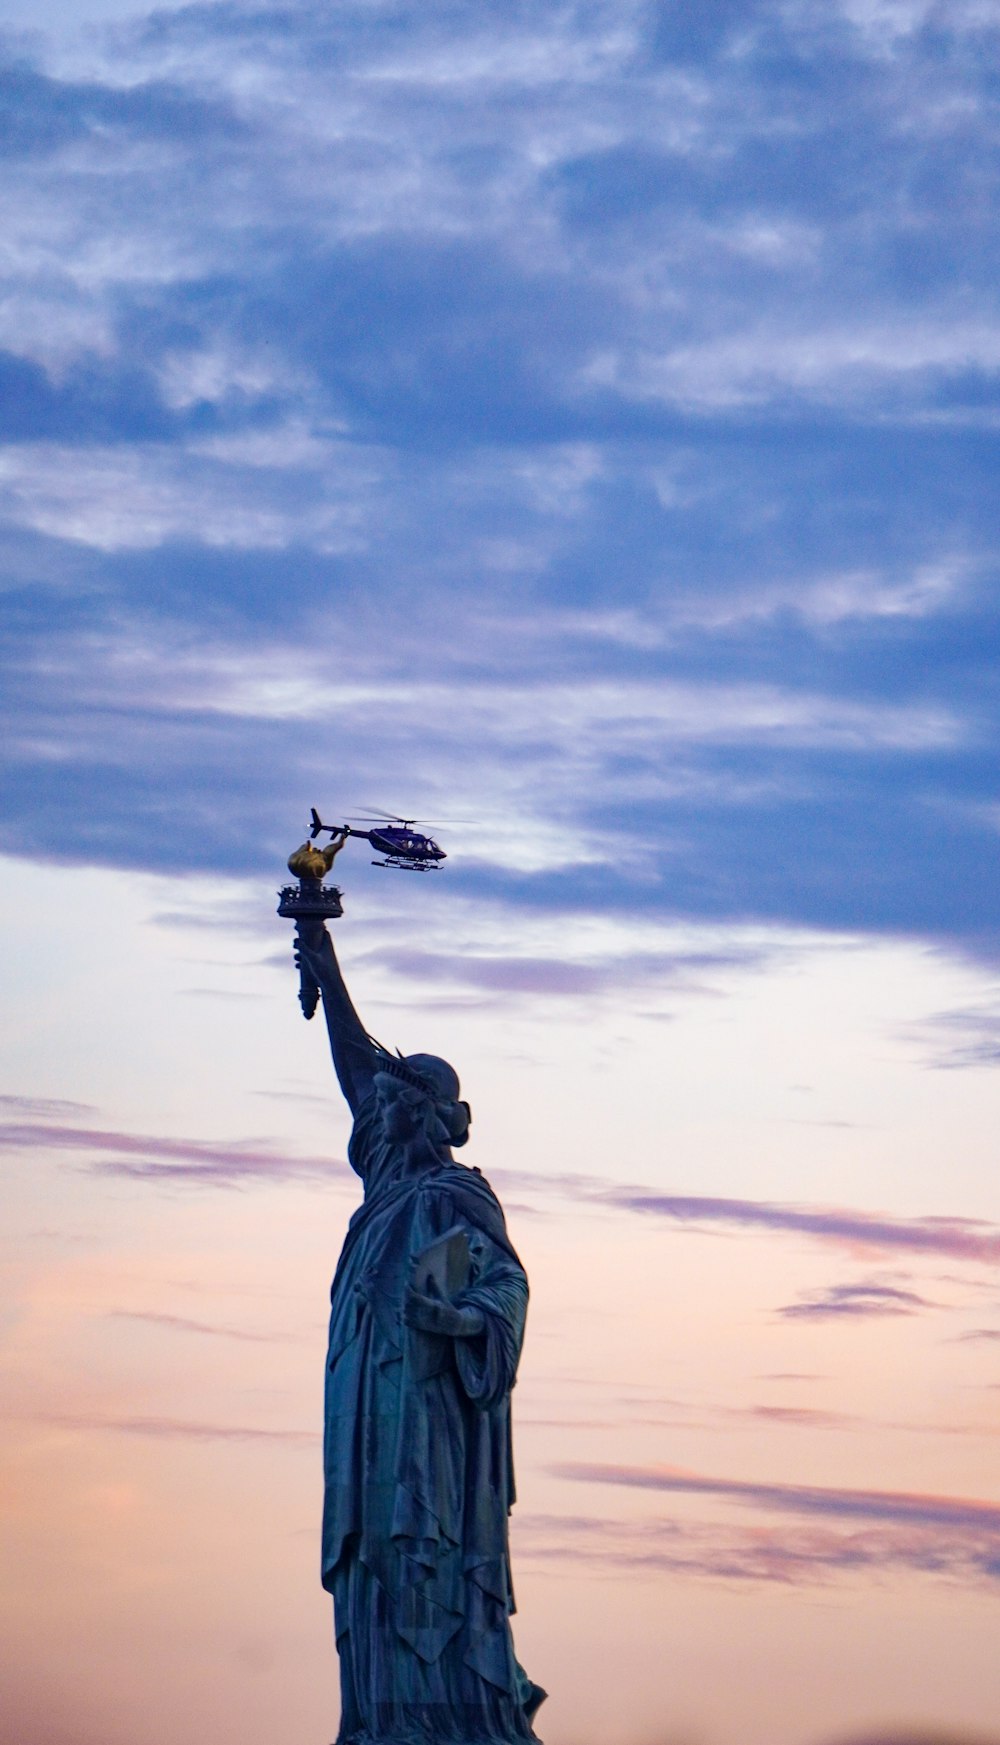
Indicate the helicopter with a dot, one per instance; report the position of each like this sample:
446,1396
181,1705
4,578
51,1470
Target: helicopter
395,838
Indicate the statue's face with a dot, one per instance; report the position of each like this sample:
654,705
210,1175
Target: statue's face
443,1077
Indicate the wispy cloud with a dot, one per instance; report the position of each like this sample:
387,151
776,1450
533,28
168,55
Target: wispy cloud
802,1417
174,1429
967,1238
912,1507
860,1300
517,973
792,1375
907,1734
848,364
182,1324
153,1158
964,1037
304,1099
39,1108
788,1555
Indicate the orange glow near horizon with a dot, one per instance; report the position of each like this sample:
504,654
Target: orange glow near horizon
758,1501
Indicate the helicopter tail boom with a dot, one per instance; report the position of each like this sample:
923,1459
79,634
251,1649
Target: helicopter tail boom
334,829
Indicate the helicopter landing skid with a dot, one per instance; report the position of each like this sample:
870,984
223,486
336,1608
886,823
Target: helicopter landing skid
408,865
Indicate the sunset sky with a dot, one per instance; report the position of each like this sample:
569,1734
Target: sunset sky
577,421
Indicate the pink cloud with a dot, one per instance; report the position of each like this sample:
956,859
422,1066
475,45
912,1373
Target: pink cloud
963,1238
175,1429
151,1157
793,1553
914,1507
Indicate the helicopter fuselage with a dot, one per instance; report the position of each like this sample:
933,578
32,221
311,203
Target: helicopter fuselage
402,847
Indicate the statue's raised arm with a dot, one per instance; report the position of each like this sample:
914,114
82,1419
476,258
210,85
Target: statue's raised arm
355,1056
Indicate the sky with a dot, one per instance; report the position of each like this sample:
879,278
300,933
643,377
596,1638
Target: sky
574,424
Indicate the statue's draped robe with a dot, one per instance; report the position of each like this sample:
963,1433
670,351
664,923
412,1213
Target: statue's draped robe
419,1477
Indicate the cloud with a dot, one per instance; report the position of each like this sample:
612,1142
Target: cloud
845,364
861,1300
146,495
174,1429
964,1037
907,1735
837,599
182,1324
518,973
305,1099
147,1157
805,1417
910,1507
789,1554
965,1238
40,1107
792,1375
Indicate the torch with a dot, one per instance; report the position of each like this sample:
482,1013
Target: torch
311,900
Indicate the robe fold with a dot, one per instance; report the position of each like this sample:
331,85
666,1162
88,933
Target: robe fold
419,1474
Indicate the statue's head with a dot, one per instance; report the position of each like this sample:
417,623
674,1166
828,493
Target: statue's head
436,1072
443,1082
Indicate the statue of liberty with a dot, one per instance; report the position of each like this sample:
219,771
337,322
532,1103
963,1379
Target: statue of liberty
428,1309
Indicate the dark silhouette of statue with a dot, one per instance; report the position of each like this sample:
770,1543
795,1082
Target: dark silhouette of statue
428,1308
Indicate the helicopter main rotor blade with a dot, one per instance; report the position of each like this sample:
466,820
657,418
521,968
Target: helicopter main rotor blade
364,818
388,817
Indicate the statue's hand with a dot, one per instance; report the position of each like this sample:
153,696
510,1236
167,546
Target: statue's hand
434,1314
310,933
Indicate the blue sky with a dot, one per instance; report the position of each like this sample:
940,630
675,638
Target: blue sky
578,422
582,419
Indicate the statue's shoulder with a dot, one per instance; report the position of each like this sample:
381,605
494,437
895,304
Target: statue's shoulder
467,1198
463,1178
